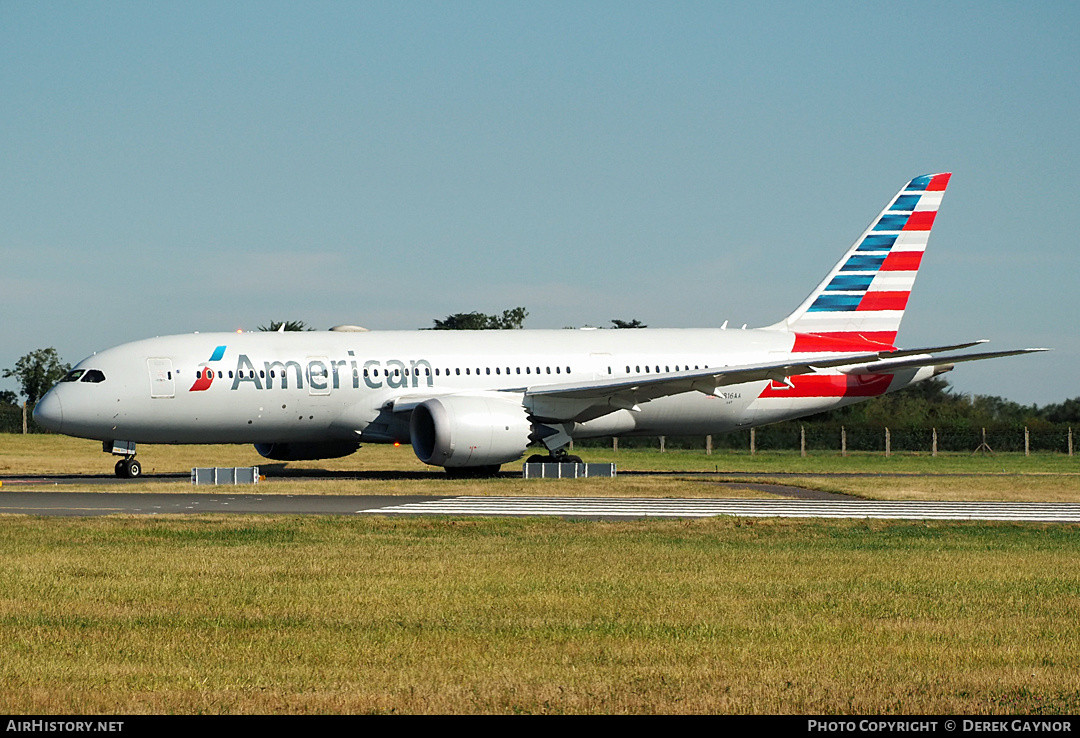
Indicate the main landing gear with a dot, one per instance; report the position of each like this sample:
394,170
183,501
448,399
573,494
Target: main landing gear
555,457
128,468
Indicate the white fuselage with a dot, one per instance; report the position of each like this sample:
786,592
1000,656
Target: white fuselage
328,386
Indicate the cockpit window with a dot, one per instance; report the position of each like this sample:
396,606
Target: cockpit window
93,376
73,375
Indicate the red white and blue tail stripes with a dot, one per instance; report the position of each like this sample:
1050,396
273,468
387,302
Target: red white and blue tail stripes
860,303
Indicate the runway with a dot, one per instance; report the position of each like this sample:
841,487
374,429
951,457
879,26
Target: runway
86,504
696,508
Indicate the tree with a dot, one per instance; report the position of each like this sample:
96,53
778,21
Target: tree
1063,412
7,397
509,320
628,323
37,372
290,325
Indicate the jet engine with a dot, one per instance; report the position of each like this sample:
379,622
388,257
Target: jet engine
306,451
469,430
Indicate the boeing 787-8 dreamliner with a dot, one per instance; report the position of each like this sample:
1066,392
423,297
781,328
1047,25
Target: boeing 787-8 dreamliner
470,401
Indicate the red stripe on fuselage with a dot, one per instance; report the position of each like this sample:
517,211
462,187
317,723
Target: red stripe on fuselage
844,341
831,385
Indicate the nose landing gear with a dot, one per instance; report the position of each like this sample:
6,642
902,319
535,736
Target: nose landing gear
128,468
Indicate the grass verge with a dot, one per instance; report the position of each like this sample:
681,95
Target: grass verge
311,615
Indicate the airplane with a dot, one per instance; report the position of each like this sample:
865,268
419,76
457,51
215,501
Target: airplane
470,401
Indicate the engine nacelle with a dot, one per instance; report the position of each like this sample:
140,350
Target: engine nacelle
469,430
306,451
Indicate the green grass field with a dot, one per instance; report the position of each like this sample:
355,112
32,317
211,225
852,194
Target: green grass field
286,614
278,614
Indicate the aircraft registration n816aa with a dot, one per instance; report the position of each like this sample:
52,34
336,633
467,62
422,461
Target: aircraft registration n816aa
470,401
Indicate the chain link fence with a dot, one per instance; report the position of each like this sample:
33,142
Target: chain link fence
11,420
836,438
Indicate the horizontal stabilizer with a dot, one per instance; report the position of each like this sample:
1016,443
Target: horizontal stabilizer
934,349
890,365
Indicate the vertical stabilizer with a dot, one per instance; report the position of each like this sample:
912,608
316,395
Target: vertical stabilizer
861,302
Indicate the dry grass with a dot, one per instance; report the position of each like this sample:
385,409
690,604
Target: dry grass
263,615
51,454
1043,477
274,614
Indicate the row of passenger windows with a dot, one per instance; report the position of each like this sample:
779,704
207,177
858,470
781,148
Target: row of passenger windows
517,370
468,371
656,369
95,376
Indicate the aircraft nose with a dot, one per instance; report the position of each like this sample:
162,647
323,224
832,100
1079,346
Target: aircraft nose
49,413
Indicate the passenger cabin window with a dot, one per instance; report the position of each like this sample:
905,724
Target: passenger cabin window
93,376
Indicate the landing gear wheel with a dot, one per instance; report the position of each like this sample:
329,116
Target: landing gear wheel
561,457
128,469
538,459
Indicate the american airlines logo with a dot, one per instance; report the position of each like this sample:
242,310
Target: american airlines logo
205,375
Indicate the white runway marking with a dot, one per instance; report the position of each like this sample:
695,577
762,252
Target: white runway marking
1054,512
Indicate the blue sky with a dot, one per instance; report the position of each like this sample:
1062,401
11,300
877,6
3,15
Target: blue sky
167,168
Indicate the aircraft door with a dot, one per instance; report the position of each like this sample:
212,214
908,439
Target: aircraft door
162,383
601,365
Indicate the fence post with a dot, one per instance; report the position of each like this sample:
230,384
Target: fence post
888,443
661,444
934,451
1070,440
614,444
1027,442
24,418
752,449
802,441
843,441
708,445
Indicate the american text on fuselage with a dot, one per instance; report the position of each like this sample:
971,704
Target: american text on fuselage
323,374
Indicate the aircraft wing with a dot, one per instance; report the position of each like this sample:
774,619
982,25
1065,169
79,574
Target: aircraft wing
583,400
586,400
